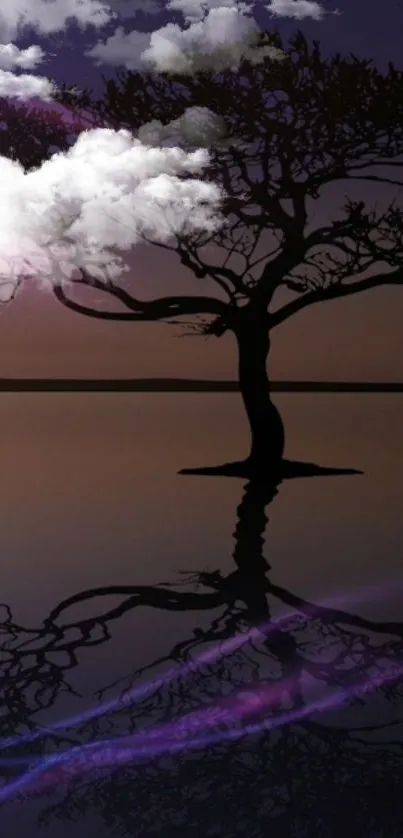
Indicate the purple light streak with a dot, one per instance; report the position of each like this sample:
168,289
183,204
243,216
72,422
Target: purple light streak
111,753
221,650
225,711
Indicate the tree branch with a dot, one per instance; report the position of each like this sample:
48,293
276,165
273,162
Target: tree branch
334,292
274,271
153,596
141,310
92,312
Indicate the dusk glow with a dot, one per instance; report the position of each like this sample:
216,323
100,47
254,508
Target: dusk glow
201,387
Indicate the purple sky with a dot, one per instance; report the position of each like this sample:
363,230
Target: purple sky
358,338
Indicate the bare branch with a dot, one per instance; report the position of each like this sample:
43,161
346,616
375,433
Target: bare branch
334,292
301,124
140,310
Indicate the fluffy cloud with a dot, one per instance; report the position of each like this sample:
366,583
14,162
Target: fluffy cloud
221,39
194,10
298,9
218,35
26,59
26,86
126,9
102,193
198,127
46,18
121,49
81,208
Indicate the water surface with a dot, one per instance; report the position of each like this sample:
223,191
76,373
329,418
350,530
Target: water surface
90,498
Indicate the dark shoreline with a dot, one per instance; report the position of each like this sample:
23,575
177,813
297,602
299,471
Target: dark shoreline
178,385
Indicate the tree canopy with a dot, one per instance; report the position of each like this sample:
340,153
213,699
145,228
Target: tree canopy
294,127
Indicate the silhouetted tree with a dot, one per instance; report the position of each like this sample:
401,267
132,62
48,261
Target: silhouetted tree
305,123
320,775
29,135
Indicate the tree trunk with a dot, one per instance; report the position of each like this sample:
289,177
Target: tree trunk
265,463
267,430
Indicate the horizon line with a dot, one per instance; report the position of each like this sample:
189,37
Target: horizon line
187,385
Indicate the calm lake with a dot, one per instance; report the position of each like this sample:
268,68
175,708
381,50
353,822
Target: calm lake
91,499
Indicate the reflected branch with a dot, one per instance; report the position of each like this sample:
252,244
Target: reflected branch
316,647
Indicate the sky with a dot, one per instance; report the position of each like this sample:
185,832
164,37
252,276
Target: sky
358,338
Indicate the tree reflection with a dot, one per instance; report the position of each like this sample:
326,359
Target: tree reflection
328,772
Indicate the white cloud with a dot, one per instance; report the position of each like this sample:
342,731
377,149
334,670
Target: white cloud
130,8
26,59
99,196
221,40
121,49
82,207
298,9
26,86
218,35
47,17
194,10
198,127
